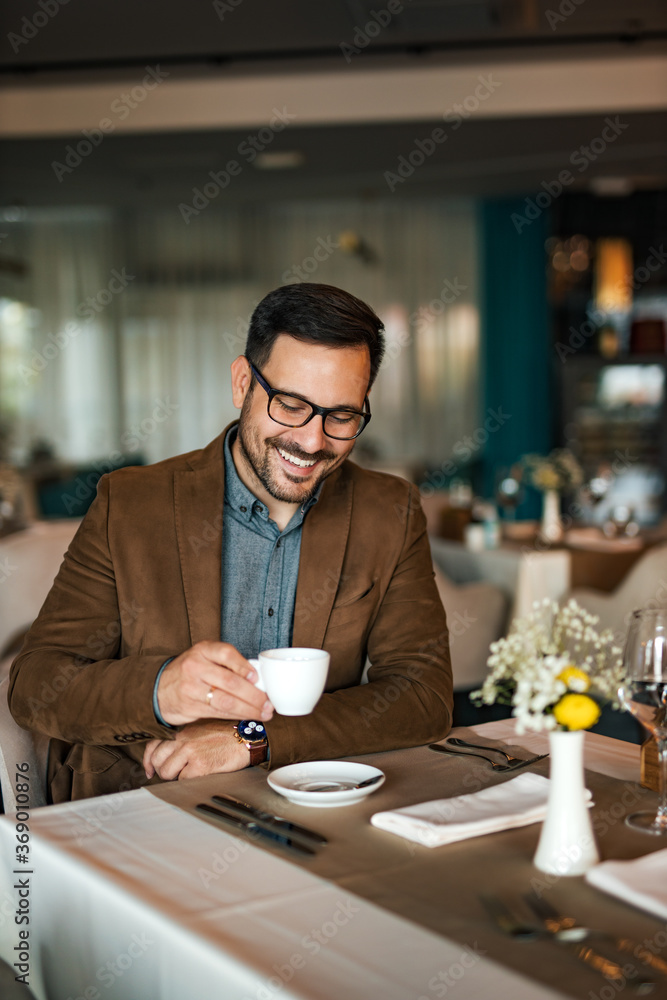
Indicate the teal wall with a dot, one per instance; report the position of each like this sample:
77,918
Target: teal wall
516,352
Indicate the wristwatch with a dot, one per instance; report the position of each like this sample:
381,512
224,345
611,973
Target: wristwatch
253,736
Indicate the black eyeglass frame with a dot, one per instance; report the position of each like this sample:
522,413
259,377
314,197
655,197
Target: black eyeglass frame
322,411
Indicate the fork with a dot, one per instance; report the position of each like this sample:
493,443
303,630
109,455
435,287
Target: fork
569,928
509,923
456,742
494,764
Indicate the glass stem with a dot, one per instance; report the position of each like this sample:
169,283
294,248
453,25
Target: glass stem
661,816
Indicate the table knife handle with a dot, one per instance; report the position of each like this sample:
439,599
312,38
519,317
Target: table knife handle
232,804
253,828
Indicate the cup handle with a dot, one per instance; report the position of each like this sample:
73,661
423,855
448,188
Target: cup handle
259,683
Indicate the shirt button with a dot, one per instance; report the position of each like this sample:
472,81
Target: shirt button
270,612
258,508
243,509
278,543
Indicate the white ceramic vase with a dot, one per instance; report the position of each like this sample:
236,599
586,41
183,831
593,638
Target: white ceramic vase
567,843
551,528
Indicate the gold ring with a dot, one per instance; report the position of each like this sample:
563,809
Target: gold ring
209,696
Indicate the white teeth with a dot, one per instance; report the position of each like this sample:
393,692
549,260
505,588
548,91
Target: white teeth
294,460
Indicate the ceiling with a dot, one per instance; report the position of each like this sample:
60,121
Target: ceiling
85,42
492,157
110,33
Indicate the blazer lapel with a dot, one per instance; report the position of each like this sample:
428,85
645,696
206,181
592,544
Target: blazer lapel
323,543
198,502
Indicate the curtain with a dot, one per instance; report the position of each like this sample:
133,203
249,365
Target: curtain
148,371
516,313
67,372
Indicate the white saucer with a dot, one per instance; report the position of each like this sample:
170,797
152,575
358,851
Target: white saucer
291,780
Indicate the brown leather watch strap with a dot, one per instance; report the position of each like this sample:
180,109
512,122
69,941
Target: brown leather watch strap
258,752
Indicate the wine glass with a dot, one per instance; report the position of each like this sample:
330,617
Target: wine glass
620,522
644,693
509,490
597,487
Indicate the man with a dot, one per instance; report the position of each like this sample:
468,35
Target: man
137,666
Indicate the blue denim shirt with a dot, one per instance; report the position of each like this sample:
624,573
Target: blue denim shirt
260,569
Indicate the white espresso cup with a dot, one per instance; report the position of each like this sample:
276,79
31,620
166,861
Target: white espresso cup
293,677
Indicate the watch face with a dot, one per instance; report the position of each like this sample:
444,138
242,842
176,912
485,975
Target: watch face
251,730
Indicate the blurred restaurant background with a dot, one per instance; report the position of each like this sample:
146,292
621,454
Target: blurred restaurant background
490,175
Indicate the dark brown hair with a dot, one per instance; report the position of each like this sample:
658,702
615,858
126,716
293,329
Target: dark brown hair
322,314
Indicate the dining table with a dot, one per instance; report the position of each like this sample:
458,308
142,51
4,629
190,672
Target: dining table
139,896
525,573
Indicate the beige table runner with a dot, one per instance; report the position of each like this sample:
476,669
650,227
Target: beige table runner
439,888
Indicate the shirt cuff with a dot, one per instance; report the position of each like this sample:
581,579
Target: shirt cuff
156,709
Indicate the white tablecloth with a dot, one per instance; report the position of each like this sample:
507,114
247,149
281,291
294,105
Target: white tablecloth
133,898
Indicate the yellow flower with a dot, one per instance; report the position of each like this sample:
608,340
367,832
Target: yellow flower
574,679
547,478
576,711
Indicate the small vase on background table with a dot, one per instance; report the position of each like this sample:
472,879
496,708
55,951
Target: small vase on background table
551,527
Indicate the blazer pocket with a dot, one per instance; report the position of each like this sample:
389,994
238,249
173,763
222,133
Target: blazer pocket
354,608
88,759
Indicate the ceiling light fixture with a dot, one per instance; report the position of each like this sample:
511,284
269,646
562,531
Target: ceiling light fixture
277,160
611,187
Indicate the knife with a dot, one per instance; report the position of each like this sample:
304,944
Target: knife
276,823
253,828
558,924
516,928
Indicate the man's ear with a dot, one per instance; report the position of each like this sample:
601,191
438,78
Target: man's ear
241,380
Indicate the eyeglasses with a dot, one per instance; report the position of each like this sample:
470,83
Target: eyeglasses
340,422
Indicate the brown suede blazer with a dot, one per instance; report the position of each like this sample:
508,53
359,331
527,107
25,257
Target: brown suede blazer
141,581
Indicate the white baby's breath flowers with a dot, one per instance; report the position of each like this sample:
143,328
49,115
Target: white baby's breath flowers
524,667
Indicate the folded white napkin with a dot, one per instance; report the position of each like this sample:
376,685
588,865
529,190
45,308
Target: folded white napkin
642,882
517,802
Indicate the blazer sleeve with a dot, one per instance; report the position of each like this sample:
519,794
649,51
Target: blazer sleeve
408,700
69,681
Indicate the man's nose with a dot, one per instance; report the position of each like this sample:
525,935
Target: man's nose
311,436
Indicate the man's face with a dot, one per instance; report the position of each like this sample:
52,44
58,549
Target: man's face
327,376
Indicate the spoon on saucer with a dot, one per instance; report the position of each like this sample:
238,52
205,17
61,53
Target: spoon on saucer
338,786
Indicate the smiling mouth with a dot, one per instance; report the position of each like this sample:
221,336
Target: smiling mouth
298,463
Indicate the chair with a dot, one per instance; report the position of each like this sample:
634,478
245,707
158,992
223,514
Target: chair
645,584
29,560
19,746
433,506
476,617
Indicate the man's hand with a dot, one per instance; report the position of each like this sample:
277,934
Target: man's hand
199,748
185,683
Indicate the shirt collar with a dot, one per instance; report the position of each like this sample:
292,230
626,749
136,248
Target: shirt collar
245,504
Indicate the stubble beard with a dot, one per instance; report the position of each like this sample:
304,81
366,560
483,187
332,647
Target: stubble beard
258,455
